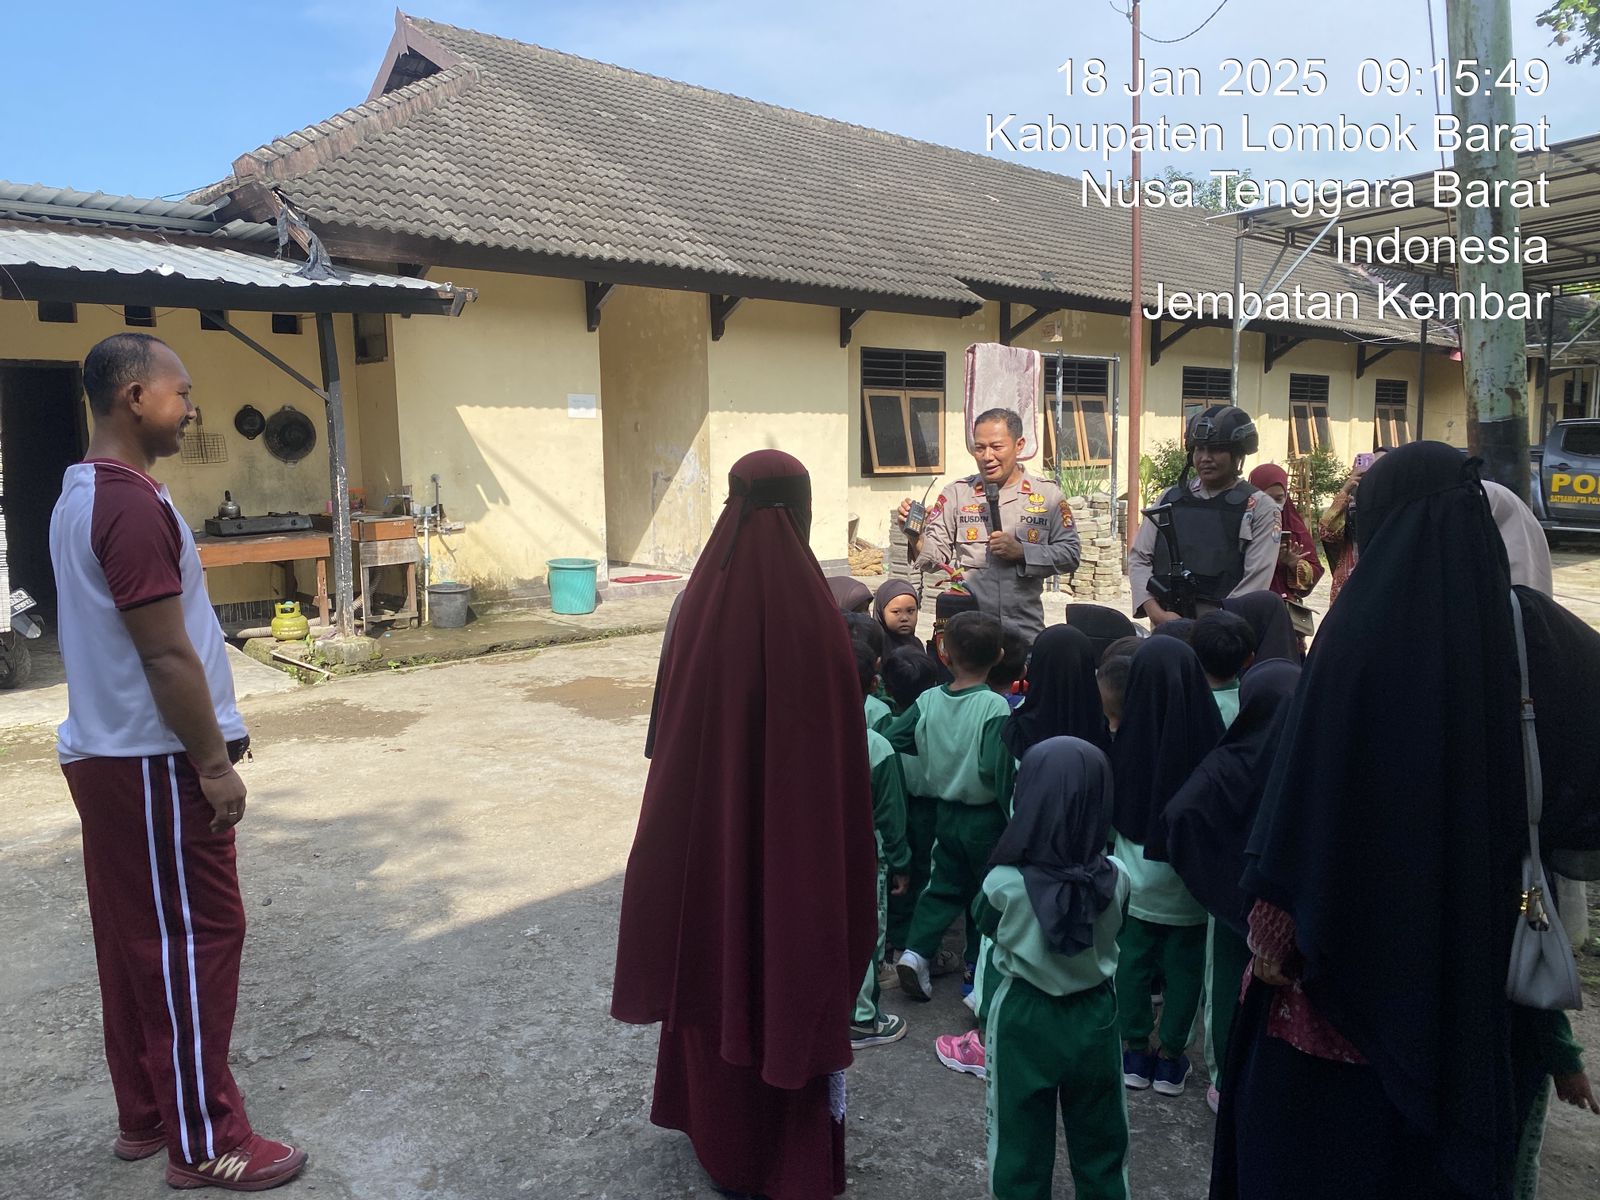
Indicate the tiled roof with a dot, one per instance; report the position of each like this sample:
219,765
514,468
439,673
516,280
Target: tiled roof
518,148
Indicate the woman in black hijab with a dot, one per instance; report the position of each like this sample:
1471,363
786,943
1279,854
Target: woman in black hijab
1063,699
1208,825
1169,723
1275,636
1373,1054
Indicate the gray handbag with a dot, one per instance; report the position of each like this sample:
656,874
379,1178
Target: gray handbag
1543,973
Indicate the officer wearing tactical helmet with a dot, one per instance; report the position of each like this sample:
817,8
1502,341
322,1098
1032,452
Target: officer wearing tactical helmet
1226,530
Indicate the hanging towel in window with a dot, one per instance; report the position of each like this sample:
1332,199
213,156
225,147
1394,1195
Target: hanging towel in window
1004,377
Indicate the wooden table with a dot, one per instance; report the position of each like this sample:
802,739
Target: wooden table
284,548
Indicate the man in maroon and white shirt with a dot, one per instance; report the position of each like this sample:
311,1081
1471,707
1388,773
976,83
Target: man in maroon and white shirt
148,748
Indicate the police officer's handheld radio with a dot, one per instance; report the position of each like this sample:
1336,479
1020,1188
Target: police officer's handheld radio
1176,590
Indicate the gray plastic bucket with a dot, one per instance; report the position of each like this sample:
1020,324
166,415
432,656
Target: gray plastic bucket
447,604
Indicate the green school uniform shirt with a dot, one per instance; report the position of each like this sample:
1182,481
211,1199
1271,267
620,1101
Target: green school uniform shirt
1158,895
888,804
1227,698
956,734
878,713
1020,949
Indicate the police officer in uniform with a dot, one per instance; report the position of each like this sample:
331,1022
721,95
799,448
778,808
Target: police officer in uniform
1226,530
1004,568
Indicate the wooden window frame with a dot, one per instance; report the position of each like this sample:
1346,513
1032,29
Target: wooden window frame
1072,409
1391,417
906,396
1318,421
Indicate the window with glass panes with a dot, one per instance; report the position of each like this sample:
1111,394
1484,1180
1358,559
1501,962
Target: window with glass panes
1308,414
1079,434
1574,403
1392,427
1203,387
902,412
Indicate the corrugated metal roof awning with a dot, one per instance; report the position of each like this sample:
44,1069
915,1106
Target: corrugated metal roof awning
100,266
1570,221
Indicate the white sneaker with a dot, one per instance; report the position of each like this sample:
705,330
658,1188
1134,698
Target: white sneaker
914,978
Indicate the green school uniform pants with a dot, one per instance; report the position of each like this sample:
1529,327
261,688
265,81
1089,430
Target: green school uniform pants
1228,958
1046,1052
1180,953
866,1010
964,838
922,814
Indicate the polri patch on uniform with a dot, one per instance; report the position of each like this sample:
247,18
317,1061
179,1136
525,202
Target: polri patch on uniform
970,533
1066,514
1033,535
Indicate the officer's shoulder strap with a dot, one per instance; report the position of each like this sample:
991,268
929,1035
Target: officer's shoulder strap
1241,492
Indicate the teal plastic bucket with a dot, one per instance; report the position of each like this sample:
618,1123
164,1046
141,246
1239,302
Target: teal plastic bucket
572,585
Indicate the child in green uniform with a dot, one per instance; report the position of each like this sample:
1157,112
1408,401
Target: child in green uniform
1169,723
864,631
955,731
869,1024
907,673
1053,903
1225,645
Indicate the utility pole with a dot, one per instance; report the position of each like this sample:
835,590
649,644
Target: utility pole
1493,353
1136,314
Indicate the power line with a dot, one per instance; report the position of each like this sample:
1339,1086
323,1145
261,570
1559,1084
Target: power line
1128,15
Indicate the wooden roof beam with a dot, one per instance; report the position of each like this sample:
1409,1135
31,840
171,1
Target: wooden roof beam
721,309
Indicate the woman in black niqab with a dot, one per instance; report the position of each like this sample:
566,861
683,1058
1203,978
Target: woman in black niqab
1063,699
1057,839
1390,834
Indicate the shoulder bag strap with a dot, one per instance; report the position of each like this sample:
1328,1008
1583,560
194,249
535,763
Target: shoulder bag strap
1533,779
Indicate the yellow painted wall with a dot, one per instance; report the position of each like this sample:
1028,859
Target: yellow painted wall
379,420
661,497
777,381
227,375
482,402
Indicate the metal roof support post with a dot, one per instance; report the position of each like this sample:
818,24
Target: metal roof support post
1549,362
1238,308
343,570
1422,380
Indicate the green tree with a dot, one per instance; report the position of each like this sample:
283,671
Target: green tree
1213,194
1575,23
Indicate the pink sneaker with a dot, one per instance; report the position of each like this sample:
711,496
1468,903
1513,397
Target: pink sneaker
964,1053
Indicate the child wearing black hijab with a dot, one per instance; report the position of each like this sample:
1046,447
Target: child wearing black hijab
1053,902
1169,723
1207,826
895,607
1062,699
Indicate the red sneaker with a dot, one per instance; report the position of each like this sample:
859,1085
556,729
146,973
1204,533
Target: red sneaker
131,1147
254,1165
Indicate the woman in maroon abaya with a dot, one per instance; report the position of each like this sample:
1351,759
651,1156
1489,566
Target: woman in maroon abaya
750,902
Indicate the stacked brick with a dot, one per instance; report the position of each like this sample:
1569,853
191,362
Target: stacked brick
1099,575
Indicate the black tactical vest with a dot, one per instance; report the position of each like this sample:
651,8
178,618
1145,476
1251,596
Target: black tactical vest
1208,538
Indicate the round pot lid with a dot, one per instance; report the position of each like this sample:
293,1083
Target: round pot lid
290,434
249,421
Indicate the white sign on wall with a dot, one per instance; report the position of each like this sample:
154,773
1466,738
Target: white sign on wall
582,406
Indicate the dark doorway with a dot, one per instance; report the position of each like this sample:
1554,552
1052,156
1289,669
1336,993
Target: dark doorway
42,433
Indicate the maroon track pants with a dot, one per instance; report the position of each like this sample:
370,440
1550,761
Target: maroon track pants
168,932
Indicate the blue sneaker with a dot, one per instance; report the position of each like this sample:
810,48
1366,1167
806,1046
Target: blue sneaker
1170,1075
1138,1067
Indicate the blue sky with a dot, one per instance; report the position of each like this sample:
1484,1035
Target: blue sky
158,99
